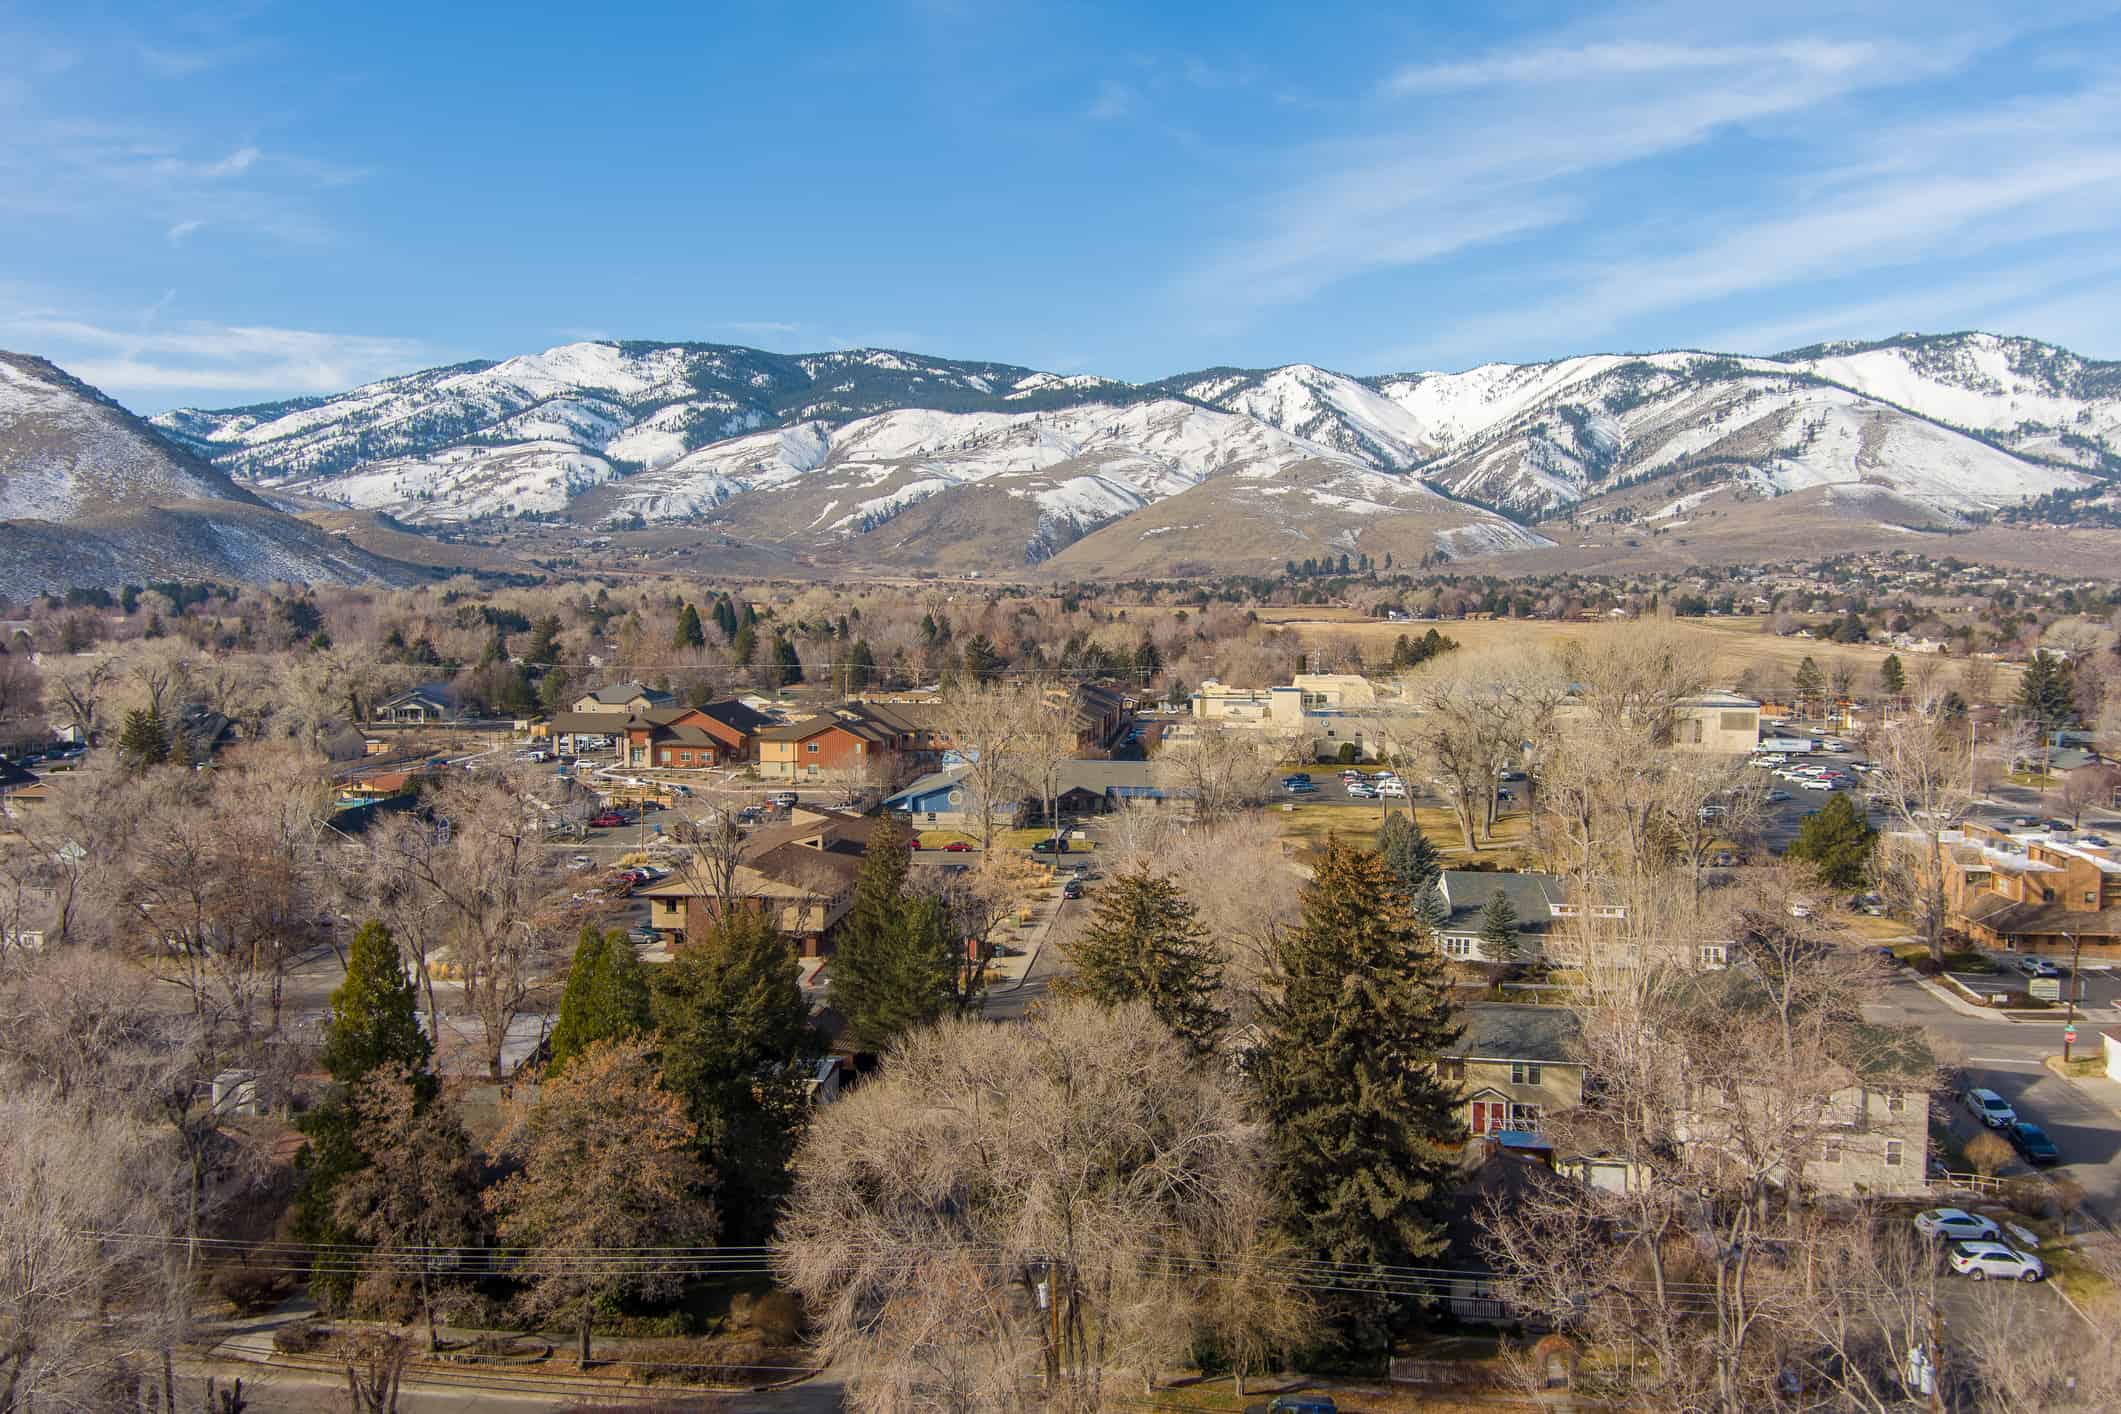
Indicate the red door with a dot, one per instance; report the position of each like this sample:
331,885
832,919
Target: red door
1489,1116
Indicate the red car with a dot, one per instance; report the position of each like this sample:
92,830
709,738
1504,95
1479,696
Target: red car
957,846
608,820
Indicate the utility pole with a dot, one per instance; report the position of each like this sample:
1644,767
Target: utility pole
2076,986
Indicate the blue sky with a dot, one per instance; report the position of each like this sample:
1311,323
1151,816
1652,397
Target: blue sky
253,201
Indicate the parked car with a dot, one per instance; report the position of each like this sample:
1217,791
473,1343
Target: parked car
1989,1107
958,846
643,937
582,861
607,820
2032,1143
783,800
1049,846
1957,1225
1777,796
2036,967
1982,1260
1394,790
1072,889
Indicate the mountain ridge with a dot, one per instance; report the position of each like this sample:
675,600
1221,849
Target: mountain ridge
786,446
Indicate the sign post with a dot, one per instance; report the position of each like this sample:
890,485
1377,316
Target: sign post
2069,1038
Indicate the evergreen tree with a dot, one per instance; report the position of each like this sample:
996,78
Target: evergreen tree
1837,841
1147,661
374,1027
1498,928
1810,681
787,667
1145,942
552,689
898,964
1415,863
375,1014
2046,693
725,617
144,741
544,648
1364,1127
689,633
857,668
983,661
1891,676
745,646
606,997
733,1028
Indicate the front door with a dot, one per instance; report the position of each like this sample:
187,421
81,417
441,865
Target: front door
1489,1116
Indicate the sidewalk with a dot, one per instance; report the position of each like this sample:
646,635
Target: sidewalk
2085,1015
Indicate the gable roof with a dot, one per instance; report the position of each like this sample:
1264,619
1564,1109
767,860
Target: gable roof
618,694
737,717
1532,895
1514,1032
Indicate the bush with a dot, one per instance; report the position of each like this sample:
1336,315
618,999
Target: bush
301,1337
1987,1152
1349,753
251,1290
777,1316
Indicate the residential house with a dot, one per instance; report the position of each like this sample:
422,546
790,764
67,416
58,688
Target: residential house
801,873
2047,892
1515,1064
627,698
943,800
870,742
424,705
1537,899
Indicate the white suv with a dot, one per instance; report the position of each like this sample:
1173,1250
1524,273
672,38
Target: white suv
1982,1260
1989,1107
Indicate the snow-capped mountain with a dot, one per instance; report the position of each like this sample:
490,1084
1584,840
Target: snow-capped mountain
874,452
90,495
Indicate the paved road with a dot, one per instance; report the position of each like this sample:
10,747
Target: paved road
2006,1056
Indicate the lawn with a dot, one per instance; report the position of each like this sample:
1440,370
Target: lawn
1357,824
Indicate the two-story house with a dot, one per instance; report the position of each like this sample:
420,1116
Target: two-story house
1536,900
1514,1065
626,698
801,874
872,742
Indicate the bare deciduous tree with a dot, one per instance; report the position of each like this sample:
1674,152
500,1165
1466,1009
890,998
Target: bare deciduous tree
1053,1190
984,722
1923,777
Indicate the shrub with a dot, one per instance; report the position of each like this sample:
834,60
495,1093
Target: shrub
301,1337
251,1290
1987,1152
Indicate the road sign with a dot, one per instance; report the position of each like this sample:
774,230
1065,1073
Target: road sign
2069,1032
2046,988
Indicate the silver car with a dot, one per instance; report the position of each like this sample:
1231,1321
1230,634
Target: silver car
1982,1260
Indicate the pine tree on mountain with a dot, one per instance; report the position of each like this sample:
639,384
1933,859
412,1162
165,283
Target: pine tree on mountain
1147,661
606,997
1363,1126
748,616
857,668
983,661
725,617
1145,943
787,666
745,646
733,1028
690,633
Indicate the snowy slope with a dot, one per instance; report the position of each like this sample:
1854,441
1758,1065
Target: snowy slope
90,495
824,450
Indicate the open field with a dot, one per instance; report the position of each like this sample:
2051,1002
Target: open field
1314,825
1737,643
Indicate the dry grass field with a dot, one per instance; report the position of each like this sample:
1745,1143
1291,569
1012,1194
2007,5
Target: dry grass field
1737,643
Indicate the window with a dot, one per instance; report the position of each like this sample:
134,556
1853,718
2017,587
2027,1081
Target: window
1451,1069
1714,955
1523,1073
686,757
1524,1117
1458,947
811,747
1893,1149
2091,896
1830,1151
1896,1103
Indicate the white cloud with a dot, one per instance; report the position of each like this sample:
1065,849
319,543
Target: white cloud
241,361
1114,100
235,164
182,229
1630,59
